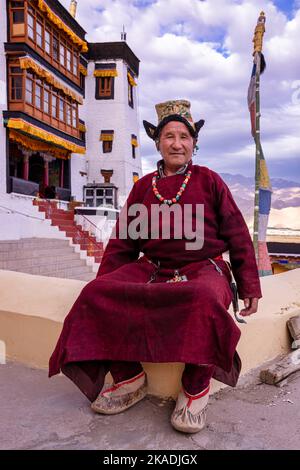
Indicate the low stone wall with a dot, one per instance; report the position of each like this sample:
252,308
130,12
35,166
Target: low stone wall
32,309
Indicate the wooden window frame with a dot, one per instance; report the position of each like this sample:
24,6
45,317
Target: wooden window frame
48,30
10,81
68,50
54,105
107,146
31,80
47,89
27,24
69,110
39,84
13,9
105,93
61,100
42,35
75,115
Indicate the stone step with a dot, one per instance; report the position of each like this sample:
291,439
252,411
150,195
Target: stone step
39,253
85,277
67,213
65,216
47,264
87,247
57,261
25,243
52,271
71,228
65,225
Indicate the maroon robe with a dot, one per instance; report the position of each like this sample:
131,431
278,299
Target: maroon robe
120,316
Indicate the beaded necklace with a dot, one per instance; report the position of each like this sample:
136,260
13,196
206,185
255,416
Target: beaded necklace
179,193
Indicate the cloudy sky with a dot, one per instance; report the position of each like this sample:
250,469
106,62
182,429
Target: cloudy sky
202,51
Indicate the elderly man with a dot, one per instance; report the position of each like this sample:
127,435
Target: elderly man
169,305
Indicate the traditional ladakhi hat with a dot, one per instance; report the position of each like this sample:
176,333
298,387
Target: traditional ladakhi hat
174,110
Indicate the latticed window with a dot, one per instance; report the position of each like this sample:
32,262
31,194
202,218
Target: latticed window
75,65
29,89
46,100
38,94
39,34
69,114
47,41
105,86
61,109
17,18
55,48
30,23
68,60
16,83
62,54
54,106
74,115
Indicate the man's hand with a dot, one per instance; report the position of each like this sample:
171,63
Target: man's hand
250,307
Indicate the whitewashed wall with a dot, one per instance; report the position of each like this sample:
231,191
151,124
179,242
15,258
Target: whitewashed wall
113,114
19,218
78,164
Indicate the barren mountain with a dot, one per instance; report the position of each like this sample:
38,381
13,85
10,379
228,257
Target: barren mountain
285,210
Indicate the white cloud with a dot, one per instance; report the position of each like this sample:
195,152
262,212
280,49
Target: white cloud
181,46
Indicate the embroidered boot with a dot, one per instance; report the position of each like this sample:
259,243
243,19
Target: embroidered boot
189,414
118,397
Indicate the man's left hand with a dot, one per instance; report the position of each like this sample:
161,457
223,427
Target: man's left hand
250,307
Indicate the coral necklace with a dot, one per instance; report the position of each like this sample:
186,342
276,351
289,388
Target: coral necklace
178,195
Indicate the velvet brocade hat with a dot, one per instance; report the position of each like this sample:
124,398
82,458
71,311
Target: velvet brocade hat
174,110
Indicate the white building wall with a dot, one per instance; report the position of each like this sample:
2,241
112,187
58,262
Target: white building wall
19,218
78,180
3,95
115,114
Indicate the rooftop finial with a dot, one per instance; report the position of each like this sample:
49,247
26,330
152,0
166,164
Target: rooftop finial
123,34
72,9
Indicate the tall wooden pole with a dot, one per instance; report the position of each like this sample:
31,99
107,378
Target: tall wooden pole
257,163
258,41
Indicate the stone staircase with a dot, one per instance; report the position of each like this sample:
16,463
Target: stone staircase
45,257
76,255
64,220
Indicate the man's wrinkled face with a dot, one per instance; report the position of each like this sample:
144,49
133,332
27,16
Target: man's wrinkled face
176,144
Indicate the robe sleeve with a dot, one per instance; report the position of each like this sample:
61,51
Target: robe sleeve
233,229
120,251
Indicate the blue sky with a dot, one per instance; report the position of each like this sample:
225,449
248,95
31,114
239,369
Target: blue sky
202,51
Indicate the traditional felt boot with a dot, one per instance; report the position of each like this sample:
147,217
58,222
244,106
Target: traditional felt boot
118,397
189,414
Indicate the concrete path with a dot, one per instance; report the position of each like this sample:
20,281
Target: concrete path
41,413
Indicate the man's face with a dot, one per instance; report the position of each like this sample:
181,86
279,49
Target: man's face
176,144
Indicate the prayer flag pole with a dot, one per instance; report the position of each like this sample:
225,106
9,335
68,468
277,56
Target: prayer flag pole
263,191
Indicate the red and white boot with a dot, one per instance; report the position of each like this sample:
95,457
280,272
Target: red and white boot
118,397
189,414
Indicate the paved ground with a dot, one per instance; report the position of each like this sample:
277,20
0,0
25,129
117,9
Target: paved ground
41,413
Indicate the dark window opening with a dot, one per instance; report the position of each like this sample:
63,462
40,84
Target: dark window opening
133,151
107,146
